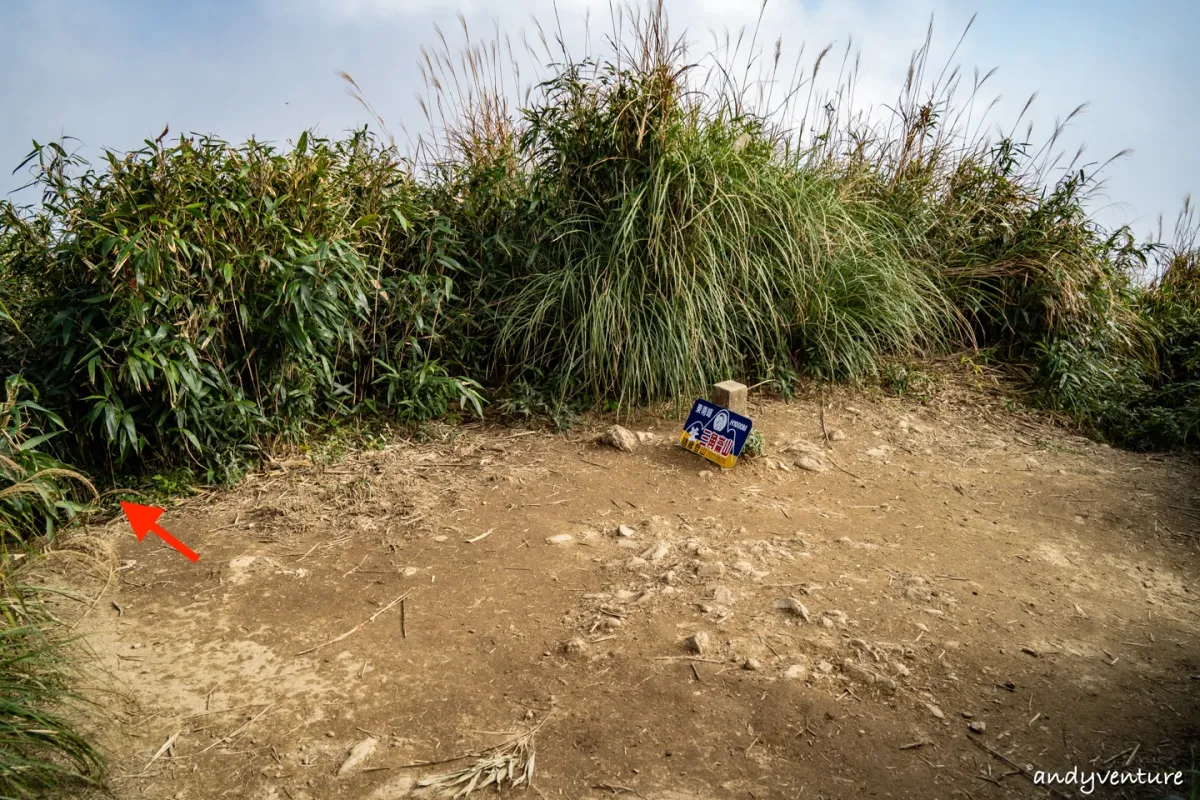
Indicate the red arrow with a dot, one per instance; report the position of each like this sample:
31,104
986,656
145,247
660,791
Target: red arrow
144,520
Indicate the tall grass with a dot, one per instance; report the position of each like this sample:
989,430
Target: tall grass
41,748
633,226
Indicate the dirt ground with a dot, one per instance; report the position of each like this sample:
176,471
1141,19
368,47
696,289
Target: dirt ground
956,565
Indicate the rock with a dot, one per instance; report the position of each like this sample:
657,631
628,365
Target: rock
879,452
575,648
977,727
705,473
644,436
589,538
810,464
802,446
629,544
358,754
796,672
824,667
410,571
395,789
624,595
626,531
637,562
867,676
937,712
744,567
752,664
827,622
620,438
792,606
656,552
723,596
441,538
839,617
837,435
611,623
697,643
562,538
710,569
901,670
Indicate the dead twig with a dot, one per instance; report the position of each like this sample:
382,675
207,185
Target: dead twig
1017,767
357,627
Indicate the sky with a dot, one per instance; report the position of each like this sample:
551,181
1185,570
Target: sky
111,73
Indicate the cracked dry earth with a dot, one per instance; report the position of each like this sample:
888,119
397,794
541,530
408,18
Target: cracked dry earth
767,632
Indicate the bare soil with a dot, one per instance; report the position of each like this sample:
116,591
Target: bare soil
957,563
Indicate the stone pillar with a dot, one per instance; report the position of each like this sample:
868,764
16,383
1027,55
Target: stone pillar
732,395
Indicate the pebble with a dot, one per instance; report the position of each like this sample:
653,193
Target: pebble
657,552
697,643
710,569
723,596
824,667
977,727
752,664
645,436
878,452
792,606
837,435
620,438
575,648
637,562
358,754
625,530
562,538
744,567
440,538
705,473
810,464
796,672
937,712
410,571
837,616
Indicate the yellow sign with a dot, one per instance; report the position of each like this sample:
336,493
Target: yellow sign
726,462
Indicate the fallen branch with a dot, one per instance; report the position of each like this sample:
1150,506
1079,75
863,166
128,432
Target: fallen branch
357,627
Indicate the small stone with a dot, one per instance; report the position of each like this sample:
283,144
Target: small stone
744,567
810,464
440,538
752,664
824,667
837,435
792,606
620,438
710,569
612,623
839,617
796,672
575,648
697,643
937,712
637,562
624,595
644,436
878,452
723,596
827,622
977,726
562,538
657,552
357,755
625,530
705,473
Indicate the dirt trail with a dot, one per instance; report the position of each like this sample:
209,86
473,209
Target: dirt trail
957,566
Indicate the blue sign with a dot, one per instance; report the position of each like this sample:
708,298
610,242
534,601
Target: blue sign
715,432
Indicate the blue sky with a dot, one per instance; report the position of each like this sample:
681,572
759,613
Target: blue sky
113,73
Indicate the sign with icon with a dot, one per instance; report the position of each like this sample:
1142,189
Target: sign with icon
716,433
